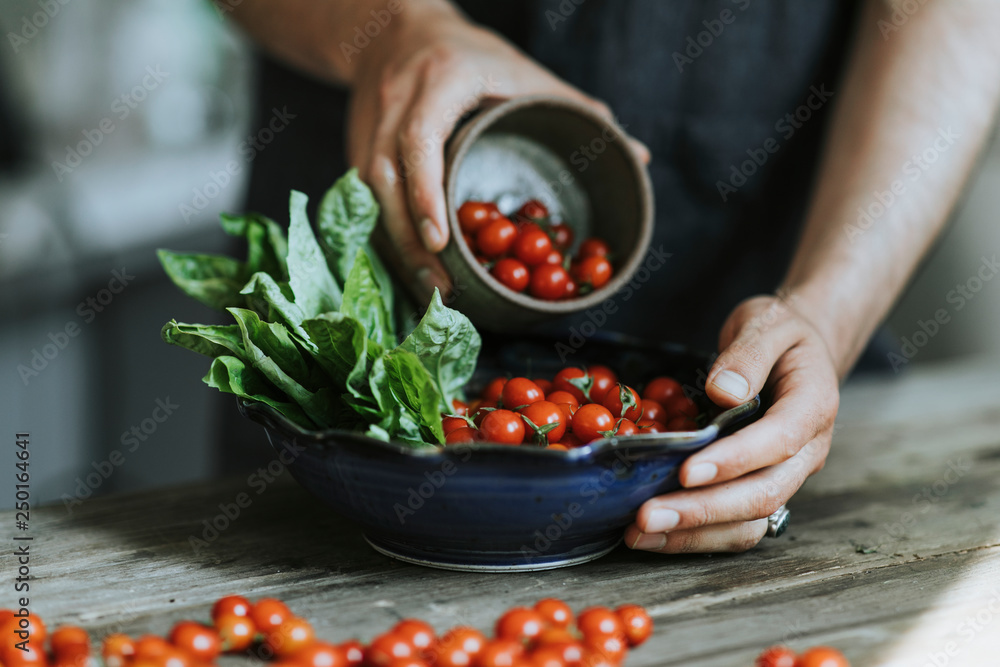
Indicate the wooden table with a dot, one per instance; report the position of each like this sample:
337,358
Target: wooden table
893,554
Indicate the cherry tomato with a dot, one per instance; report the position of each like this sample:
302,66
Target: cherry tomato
496,238
464,434
354,651
388,647
561,382
236,632
662,389
14,657
420,635
547,656
599,621
321,654
822,656
533,209
554,258
636,622
512,273
613,402
500,653
593,247
572,289
604,380
151,646
467,639
479,414
69,641
557,446
231,605
593,271
652,411
562,396
541,414
448,655
493,390
532,246
292,636
651,427
503,427
680,423
37,632
776,656
611,646
681,405
555,612
571,441
474,215
548,282
199,641
519,623
460,408
519,392
268,614
449,424
591,421
625,428
562,235
117,650
543,384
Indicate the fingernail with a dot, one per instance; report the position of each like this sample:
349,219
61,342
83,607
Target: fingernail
701,474
432,236
430,279
732,383
661,520
650,542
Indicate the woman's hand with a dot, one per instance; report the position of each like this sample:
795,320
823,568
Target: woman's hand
734,484
413,83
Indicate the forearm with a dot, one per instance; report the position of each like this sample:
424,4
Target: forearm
329,39
932,86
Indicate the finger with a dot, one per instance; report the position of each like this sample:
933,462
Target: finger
742,367
751,497
805,406
733,537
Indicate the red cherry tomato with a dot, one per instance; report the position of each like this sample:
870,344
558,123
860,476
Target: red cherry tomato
598,621
479,414
500,653
604,379
636,622
532,247
474,215
151,646
652,411
492,391
496,237
625,428
562,396
776,656
593,271
822,656
117,650
554,257
236,632
268,614
199,641
681,405
680,423
612,647
533,209
464,434
469,640
562,235
519,623
231,605
572,289
555,612
503,427
547,656
294,635
593,248
321,654
543,384
652,427
387,648
460,408
662,389
37,632
571,440
420,635
548,282
591,421
354,651
561,382
543,413
449,424
613,402
512,273
519,392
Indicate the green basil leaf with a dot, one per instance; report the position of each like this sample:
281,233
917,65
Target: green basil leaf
341,350
212,340
312,284
266,244
214,280
363,301
230,375
447,345
277,297
413,387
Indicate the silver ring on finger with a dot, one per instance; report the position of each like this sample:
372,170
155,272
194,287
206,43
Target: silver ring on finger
777,523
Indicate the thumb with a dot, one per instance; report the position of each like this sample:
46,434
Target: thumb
742,367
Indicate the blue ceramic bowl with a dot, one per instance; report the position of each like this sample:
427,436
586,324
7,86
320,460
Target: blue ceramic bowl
492,507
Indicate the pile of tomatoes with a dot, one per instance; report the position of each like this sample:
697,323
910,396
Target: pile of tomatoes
528,253
545,635
578,406
818,656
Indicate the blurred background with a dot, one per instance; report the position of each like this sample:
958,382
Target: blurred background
118,122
